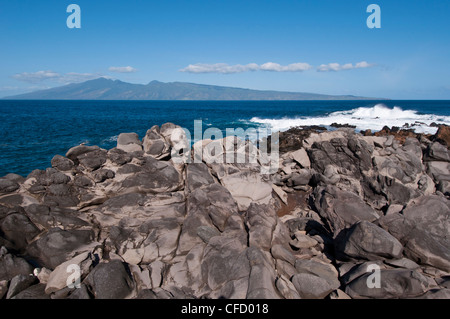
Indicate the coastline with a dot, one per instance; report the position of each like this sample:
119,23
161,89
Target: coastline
140,225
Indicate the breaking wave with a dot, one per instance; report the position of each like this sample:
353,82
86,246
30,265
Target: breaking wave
373,118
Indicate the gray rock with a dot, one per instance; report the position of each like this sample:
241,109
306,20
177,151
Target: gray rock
224,260
11,266
301,178
102,175
19,230
80,293
156,177
261,221
129,142
79,150
324,271
154,143
437,152
352,154
432,213
57,216
395,283
423,228
401,165
197,175
402,263
110,281
19,283
8,186
207,232
3,288
301,157
15,178
365,240
262,276
118,157
62,163
435,294
58,278
92,160
128,138
62,195
282,253
33,292
207,206
341,209
311,287
303,241
83,181
56,246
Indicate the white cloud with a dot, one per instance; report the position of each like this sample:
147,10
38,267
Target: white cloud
342,67
122,69
239,68
219,68
294,67
35,77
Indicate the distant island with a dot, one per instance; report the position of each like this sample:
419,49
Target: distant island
107,89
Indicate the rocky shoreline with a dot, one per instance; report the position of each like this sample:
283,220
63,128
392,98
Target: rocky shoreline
140,225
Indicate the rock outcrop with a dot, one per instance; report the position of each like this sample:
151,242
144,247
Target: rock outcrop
135,222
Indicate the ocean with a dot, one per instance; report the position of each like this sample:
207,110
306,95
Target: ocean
32,132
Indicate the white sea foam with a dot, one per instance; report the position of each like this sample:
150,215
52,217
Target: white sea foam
374,118
110,139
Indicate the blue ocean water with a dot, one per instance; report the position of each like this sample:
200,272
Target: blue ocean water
32,132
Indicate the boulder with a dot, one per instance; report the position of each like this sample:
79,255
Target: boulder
261,282
394,283
197,175
225,265
56,246
261,221
155,145
365,240
437,152
62,163
320,269
311,286
19,230
8,186
155,177
247,188
79,150
110,281
118,157
351,154
11,266
102,175
301,157
129,142
20,283
33,292
423,231
92,160
58,278
341,209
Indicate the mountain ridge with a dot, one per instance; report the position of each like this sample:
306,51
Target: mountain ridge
108,89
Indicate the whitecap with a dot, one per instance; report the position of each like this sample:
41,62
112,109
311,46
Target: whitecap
373,118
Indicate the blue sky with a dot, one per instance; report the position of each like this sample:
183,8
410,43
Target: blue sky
320,46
